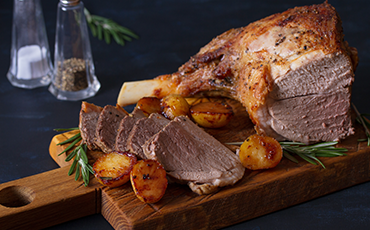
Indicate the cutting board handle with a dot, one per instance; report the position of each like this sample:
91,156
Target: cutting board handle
46,199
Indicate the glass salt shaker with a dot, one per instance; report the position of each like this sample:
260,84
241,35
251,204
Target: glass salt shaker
30,64
74,73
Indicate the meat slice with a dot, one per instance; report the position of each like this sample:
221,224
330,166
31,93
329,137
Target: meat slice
286,58
191,155
144,129
107,127
125,127
310,114
89,115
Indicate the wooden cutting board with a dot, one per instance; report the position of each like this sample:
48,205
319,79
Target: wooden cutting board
54,197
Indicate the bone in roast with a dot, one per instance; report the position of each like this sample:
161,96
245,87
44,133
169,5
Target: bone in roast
292,71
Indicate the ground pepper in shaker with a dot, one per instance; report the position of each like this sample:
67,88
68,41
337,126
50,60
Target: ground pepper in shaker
30,63
74,73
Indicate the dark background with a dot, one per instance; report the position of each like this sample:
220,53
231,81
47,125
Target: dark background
170,32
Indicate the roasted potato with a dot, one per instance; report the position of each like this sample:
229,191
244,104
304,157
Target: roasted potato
113,169
258,152
149,105
211,114
148,179
174,105
196,100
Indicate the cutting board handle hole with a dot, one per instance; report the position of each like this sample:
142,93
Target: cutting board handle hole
16,196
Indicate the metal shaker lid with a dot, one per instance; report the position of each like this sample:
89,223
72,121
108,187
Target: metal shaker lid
70,2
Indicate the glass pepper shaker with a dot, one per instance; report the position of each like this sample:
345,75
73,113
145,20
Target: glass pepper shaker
30,64
74,73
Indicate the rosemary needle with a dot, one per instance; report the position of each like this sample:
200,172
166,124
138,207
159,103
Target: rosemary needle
66,129
308,153
364,122
103,27
80,164
70,139
71,145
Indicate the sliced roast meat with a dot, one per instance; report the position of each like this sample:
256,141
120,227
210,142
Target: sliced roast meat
125,127
325,112
297,53
310,104
107,127
191,155
89,115
144,129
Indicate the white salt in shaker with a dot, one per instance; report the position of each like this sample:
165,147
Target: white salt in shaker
30,64
74,74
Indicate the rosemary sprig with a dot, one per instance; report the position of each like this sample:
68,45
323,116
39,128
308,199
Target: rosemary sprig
66,129
103,27
361,118
308,153
80,164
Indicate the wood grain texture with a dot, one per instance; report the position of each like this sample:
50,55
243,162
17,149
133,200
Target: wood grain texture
55,149
53,198
258,193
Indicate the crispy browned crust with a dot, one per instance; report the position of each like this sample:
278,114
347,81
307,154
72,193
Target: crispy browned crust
226,65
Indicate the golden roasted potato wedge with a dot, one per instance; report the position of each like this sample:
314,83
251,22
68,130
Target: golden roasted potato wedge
149,105
211,114
174,105
148,179
113,169
258,152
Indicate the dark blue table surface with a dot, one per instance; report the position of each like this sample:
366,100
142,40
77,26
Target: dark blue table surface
170,32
